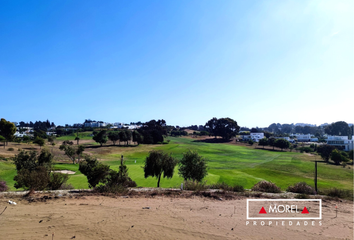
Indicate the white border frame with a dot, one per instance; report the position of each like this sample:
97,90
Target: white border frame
283,200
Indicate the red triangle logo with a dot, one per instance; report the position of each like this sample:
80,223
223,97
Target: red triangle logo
305,211
263,211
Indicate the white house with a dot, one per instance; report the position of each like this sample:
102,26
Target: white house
305,138
254,136
341,142
287,139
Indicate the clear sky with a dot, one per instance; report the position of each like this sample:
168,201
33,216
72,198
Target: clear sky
257,62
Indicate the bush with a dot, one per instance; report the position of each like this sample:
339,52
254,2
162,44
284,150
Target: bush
111,189
95,171
66,186
194,185
3,186
226,187
57,180
10,149
340,193
305,149
33,170
238,188
104,179
264,186
302,196
223,186
301,187
37,179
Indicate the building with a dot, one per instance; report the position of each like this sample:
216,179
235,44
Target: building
341,142
305,138
287,139
254,136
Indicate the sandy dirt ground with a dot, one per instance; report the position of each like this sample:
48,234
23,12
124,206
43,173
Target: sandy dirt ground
101,217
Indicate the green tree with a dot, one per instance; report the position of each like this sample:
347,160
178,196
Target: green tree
2,139
325,151
113,136
227,128
263,142
34,171
350,154
7,130
340,128
282,143
69,151
271,142
100,137
211,126
121,177
337,157
223,127
128,135
40,141
192,166
51,139
122,136
95,171
77,140
157,163
79,150
26,139
137,137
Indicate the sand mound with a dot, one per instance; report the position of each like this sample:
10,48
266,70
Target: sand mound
159,217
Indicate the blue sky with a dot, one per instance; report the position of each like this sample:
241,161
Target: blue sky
257,62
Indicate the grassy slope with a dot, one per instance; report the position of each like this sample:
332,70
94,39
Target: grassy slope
227,163
71,137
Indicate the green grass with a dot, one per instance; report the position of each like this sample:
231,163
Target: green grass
71,137
227,163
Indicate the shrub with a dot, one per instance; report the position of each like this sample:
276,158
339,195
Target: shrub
223,186
33,170
95,171
57,180
3,186
305,149
226,187
111,189
264,186
194,185
238,188
302,196
340,193
250,142
301,187
37,179
10,149
104,179
66,186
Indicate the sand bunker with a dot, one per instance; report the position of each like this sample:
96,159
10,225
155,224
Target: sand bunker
65,171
